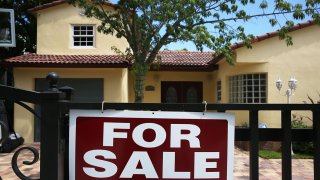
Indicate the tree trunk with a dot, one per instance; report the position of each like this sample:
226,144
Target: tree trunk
139,87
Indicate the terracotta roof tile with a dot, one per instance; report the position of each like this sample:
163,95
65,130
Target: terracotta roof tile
47,5
185,58
275,33
168,58
57,2
264,37
39,59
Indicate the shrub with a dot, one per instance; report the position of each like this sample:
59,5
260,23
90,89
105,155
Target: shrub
297,122
301,147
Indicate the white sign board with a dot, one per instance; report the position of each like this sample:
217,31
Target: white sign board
7,28
142,145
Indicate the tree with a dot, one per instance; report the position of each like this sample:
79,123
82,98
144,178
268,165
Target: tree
25,26
148,25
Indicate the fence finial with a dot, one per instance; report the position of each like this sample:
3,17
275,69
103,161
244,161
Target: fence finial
53,79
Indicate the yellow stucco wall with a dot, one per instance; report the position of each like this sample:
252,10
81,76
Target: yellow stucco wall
115,89
301,60
54,32
273,57
225,71
154,78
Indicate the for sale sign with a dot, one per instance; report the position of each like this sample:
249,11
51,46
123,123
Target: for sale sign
150,145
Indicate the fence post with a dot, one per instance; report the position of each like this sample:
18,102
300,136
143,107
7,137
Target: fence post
52,156
254,144
286,145
65,126
316,143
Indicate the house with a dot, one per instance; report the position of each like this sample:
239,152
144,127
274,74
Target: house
69,44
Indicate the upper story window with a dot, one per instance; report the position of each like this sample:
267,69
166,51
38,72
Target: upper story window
83,35
248,88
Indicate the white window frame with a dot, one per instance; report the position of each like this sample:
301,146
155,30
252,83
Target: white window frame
248,88
84,36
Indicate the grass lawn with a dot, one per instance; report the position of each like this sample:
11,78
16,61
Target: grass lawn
266,154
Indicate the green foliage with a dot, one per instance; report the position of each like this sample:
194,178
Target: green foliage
184,49
25,27
298,122
267,154
148,25
264,4
302,156
301,147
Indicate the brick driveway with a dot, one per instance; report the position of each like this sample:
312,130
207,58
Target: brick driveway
269,169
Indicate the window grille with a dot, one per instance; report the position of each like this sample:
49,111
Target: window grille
248,88
83,36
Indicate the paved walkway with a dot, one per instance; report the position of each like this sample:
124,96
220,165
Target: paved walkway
269,169
302,169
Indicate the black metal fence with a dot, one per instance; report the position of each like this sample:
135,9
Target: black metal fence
54,127
254,134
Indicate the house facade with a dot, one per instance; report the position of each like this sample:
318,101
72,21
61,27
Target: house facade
68,43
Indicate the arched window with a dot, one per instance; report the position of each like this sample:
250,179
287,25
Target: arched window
171,96
192,95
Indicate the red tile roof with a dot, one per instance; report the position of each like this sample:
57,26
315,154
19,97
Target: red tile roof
67,60
264,37
45,6
185,58
275,33
168,58
55,3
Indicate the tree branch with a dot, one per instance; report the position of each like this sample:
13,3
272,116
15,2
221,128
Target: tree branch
106,16
214,7
240,18
162,42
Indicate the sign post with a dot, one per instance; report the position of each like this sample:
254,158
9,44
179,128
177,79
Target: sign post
150,145
7,28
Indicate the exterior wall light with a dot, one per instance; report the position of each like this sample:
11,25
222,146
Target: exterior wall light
279,84
82,12
292,84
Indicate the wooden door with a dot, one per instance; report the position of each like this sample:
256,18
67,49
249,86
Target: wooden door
181,92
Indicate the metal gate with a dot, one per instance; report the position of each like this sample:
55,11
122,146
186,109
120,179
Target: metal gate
54,127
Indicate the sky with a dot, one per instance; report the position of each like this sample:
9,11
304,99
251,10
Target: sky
255,26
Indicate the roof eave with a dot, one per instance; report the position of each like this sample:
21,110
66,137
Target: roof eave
55,3
189,68
262,38
63,65
45,6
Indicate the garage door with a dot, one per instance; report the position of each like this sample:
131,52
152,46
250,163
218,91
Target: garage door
86,90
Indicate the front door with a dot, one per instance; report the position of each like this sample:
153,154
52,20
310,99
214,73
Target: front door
181,92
